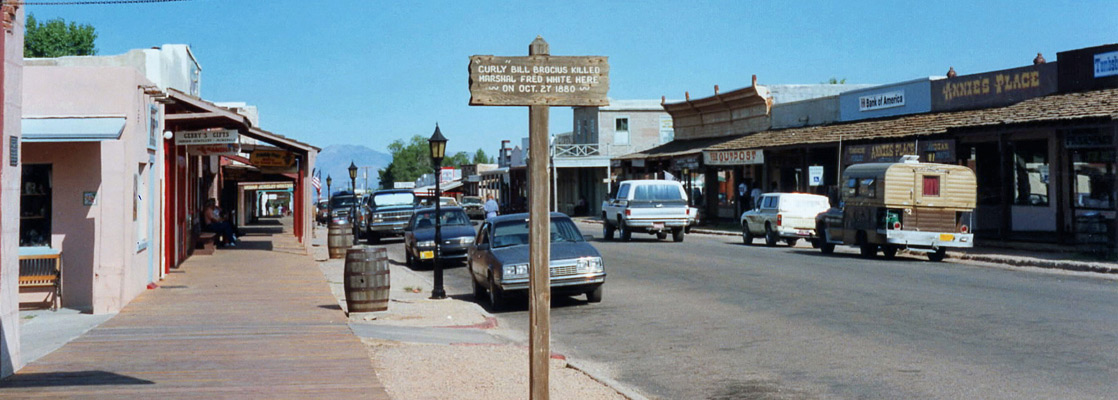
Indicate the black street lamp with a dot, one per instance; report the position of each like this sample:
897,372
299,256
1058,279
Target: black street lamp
329,200
438,150
353,207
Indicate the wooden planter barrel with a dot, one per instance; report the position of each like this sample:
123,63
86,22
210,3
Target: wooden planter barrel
366,279
340,239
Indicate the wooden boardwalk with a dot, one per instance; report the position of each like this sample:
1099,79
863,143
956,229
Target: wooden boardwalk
255,321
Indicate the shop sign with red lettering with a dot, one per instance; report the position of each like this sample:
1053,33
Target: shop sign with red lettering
733,157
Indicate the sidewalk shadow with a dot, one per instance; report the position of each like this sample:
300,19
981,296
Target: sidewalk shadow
76,378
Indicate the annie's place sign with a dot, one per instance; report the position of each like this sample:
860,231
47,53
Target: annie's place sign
539,80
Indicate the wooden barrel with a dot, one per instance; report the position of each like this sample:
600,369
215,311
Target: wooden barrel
366,279
340,239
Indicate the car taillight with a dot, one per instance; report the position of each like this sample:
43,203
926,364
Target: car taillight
896,225
688,211
964,229
779,219
628,212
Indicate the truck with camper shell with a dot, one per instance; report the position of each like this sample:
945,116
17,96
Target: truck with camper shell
921,207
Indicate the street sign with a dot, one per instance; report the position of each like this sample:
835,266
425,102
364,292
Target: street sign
539,80
206,137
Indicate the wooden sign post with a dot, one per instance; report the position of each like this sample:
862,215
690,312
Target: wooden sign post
539,81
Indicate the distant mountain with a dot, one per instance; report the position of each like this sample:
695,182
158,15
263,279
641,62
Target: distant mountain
334,161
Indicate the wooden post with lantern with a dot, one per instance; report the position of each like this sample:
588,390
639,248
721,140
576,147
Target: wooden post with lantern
539,81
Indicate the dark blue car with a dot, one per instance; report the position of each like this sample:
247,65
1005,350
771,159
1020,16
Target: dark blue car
498,259
419,237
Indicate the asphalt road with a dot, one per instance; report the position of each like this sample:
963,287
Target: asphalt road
712,318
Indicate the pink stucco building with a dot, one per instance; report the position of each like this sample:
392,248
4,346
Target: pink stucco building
92,141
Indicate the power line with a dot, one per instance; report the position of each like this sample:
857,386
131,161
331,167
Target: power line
87,3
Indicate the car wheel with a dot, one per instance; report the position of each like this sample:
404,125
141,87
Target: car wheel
827,248
746,234
496,299
626,234
373,237
890,252
408,259
595,296
770,236
607,230
868,250
938,255
661,235
791,241
677,235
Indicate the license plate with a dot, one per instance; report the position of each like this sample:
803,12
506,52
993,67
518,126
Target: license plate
657,225
427,255
946,237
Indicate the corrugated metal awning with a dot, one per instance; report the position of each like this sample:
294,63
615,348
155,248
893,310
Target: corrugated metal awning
72,129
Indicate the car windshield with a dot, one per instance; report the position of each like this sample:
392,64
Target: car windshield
394,199
426,219
515,232
341,201
471,200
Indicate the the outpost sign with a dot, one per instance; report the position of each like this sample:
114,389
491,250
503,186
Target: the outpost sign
993,89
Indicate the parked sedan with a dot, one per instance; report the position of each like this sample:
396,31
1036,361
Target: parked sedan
787,216
419,237
498,259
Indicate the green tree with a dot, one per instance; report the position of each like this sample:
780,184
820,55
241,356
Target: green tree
457,160
836,81
410,160
56,39
481,158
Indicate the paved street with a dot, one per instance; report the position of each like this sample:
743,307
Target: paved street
712,318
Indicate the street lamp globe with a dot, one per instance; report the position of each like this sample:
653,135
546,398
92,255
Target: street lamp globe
438,146
352,170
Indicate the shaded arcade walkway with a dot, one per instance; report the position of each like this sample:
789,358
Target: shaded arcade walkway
254,321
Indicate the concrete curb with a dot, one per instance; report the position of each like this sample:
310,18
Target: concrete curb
1016,261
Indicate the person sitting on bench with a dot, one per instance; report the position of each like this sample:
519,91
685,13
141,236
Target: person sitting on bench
217,224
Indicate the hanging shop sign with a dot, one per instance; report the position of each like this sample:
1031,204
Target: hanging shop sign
206,137
1088,138
690,162
994,89
539,80
938,151
269,186
226,149
272,159
733,157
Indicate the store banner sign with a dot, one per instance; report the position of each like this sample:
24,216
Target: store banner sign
993,89
269,186
227,149
938,151
733,157
1106,64
206,137
880,101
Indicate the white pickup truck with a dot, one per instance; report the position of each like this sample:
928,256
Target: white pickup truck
652,206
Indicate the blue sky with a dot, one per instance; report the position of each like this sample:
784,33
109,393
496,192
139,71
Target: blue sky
369,72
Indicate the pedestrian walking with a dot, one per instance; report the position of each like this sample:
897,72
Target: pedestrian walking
491,207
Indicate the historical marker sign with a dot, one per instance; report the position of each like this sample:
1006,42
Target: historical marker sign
539,80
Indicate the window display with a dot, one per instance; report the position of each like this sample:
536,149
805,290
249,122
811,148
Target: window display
1094,179
35,206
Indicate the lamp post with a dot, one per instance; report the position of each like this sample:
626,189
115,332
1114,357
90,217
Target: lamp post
687,184
438,149
353,206
329,201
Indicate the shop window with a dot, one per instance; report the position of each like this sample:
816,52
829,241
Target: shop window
35,206
621,130
1030,173
931,186
1094,179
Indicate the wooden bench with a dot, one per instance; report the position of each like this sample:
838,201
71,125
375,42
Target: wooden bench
205,243
41,267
